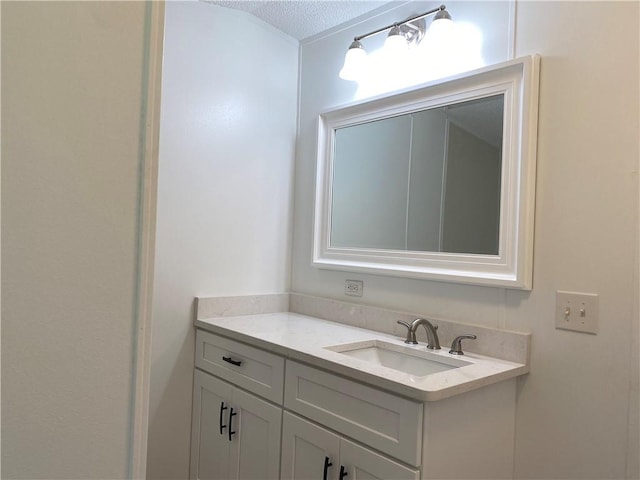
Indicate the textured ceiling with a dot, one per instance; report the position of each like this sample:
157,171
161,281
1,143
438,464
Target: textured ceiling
303,18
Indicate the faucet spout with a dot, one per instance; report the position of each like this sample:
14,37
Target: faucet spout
433,342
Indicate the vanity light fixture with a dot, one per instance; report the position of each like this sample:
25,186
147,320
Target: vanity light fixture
401,36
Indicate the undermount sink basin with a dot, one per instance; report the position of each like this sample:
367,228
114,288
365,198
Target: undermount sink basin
409,360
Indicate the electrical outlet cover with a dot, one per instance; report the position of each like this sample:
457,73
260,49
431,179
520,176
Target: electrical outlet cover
353,288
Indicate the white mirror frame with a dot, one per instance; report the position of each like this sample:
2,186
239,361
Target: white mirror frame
518,81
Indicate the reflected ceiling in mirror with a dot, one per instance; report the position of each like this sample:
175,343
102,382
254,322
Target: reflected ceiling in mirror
435,182
424,181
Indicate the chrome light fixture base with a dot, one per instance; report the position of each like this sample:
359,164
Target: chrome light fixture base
412,30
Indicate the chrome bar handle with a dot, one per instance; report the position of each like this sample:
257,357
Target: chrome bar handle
456,345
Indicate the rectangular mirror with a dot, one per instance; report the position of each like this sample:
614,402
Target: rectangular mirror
435,182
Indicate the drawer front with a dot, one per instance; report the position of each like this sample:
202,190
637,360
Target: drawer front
384,421
250,368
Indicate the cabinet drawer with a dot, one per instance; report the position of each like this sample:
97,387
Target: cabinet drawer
384,421
250,368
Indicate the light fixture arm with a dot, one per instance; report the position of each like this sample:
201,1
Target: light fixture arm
397,24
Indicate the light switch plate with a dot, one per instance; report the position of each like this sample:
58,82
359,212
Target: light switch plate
577,312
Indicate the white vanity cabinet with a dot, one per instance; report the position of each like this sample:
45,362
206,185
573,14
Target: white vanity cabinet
235,434
469,435
310,451
256,416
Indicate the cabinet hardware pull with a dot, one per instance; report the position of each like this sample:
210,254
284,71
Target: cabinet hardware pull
222,409
343,472
230,360
231,415
327,464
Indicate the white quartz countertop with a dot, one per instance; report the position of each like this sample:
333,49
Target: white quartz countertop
304,339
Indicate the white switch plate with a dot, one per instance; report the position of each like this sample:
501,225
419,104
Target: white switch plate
353,288
577,311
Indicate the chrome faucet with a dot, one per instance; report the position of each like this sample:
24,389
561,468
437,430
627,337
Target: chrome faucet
433,343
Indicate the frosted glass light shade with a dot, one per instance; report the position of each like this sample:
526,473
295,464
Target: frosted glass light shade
396,44
442,29
354,62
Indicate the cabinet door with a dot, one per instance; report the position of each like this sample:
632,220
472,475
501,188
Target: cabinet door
255,445
209,437
386,422
308,451
363,464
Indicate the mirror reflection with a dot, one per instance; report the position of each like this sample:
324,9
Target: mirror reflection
426,181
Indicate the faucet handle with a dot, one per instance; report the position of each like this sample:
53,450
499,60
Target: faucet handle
456,345
411,332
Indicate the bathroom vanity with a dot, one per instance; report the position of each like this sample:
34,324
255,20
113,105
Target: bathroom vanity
290,396
285,393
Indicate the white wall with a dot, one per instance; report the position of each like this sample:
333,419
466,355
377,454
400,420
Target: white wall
227,141
321,58
73,90
573,415
586,224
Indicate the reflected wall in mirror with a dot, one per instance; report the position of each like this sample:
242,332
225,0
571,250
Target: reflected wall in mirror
424,181
435,182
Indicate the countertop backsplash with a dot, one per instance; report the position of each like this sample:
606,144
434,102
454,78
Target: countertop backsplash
503,344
